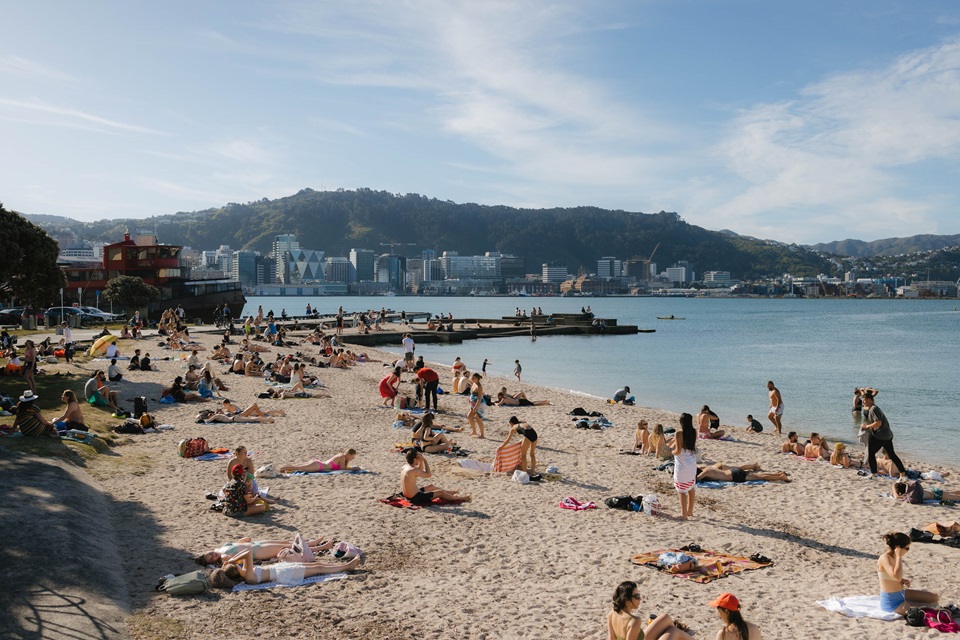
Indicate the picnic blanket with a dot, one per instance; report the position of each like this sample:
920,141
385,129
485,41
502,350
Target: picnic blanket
507,458
243,586
706,570
720,484
399,500
476,465
858,607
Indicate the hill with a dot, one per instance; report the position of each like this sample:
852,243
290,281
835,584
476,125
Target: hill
888,246
336,221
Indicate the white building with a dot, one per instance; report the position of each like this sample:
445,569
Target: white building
554,273
677,274
717,279
457,267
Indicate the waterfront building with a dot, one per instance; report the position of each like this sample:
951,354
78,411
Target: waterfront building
554,273
364,263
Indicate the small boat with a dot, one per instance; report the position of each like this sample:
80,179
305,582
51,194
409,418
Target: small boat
669,318
646,330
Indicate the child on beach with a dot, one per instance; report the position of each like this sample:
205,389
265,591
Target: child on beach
517,369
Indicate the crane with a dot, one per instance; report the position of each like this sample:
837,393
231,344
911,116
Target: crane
647,261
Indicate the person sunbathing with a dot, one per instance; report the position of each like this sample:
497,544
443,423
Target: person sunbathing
624,624
253,410
209,417
242,569
418,467
339,462
922,494
816,448
792,445
518,400
743,473
842,458
641,438
260,549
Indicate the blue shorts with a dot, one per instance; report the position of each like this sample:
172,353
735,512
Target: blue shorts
890,600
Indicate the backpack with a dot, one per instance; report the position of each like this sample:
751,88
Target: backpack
139,406
626,503
192,447
187,584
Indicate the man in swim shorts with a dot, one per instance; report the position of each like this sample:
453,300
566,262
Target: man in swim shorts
745,473
417,467
776,406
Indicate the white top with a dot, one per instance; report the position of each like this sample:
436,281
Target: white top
67,335
408,345
112,350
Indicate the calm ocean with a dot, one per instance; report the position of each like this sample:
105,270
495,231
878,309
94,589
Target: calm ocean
723,353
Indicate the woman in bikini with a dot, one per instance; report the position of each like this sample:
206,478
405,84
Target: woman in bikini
842,458
430,442
528,445
260,549
519,400
242,569
475,414
339,462
641,439
734,626
658,444
895,595
624,624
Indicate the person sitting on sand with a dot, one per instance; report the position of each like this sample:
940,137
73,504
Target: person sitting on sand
743,473
658,444
914,493
339,462
418,467
734,626
238,499
624,624
72,416
792,445
191,379
430,442
706,420
239,366
895,596
260,549
641,439
178,393
754,425
841,458
254,367
97,393
29,420
221,353
518,400
242,569
240,457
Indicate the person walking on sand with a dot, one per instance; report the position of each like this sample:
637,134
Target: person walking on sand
517,369
776,407
685,464
881,436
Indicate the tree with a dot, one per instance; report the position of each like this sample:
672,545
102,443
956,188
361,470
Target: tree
130,292
28,261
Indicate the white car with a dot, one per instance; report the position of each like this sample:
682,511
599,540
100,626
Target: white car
103,315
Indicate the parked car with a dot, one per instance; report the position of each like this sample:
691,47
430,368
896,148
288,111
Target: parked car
106,316
53,315
13,315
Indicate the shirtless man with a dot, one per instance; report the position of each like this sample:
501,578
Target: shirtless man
418,467
745,473
776,406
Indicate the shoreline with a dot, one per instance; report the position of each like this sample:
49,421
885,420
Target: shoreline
509,564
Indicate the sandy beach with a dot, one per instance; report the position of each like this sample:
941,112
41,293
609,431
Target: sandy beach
509,564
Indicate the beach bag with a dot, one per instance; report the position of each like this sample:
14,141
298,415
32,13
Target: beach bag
914,617
266,471
128,428
521,476
625,503
139,406
345,551
187,584
651,505
192,447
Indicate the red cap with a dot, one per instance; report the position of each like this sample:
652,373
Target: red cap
238,471
728,601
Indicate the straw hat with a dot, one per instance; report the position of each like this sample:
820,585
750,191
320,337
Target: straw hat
28,396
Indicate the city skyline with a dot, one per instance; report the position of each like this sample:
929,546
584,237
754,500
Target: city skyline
799,123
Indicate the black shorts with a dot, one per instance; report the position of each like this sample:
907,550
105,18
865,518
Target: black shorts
422,498
739,475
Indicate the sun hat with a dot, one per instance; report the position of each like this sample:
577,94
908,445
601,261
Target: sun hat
728,601
28,396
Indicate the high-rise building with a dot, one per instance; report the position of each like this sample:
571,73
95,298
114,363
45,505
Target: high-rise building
609,267
244,267
554,273
304,265
457,267
677,275
391,269
364,262
282,245
337,269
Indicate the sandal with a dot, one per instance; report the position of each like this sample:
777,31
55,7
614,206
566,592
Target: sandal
761,559
691,547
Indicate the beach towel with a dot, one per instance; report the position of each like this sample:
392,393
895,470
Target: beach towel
575,505
859,607
507,458
398,500
940,619
706,570
207,457
476,465
243,586
720,484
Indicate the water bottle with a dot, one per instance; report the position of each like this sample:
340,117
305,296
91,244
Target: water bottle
647,507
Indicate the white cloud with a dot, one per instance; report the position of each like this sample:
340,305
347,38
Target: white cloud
40,112
835,155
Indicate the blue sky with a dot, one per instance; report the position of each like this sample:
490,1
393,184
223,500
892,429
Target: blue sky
802,122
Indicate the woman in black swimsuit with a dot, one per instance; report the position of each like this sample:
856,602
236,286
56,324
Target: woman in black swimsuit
528,446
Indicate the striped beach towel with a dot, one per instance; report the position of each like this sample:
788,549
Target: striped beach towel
685,471
507,458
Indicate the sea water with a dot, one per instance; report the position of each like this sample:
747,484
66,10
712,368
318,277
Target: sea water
723,353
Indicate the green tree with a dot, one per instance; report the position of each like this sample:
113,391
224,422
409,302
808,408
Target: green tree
28,261
130,292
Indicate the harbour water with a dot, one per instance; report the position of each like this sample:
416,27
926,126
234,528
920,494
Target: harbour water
722,354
